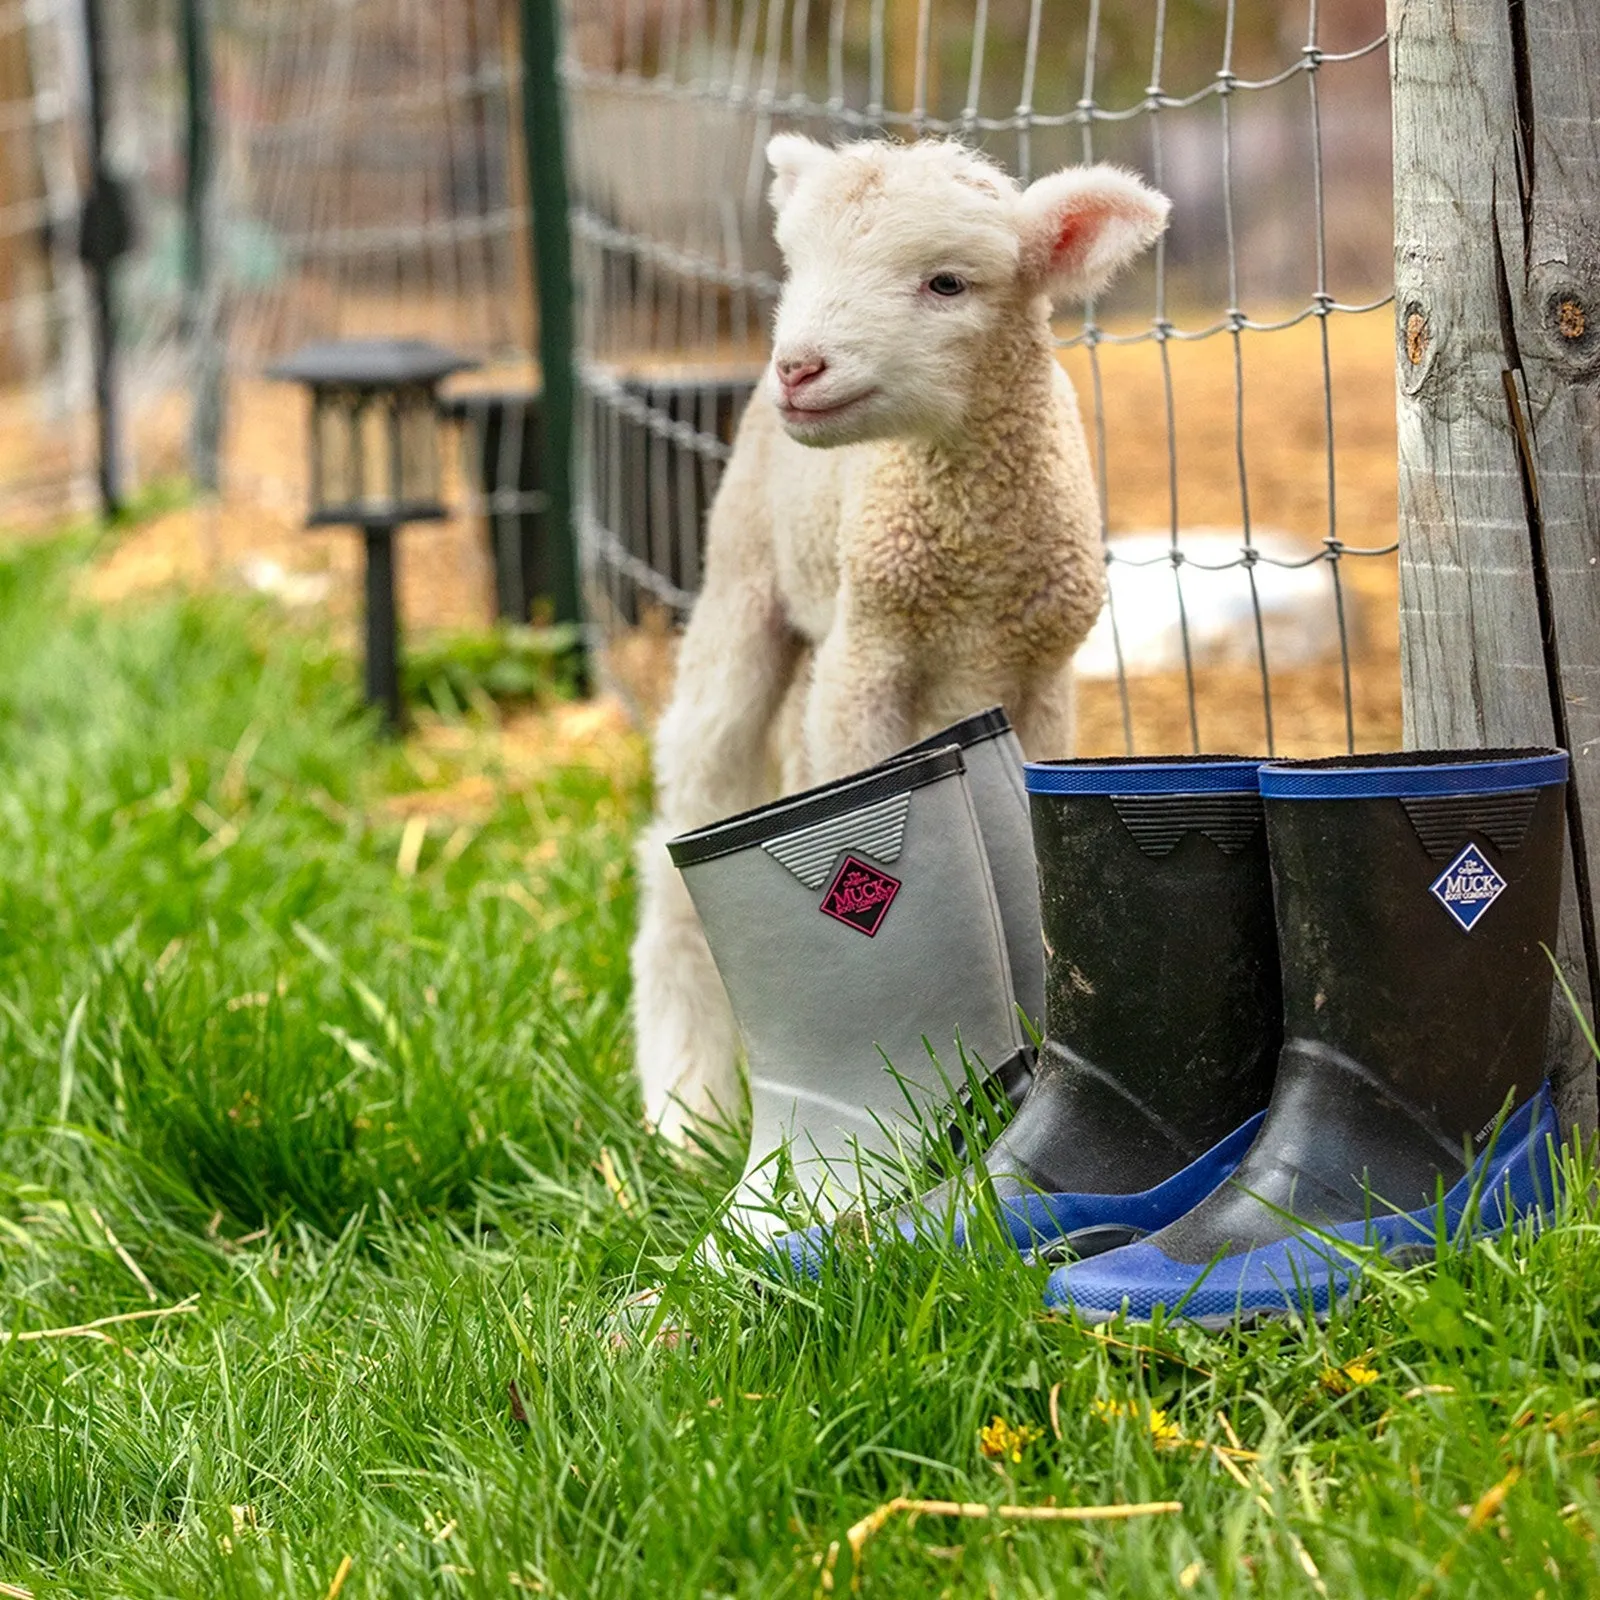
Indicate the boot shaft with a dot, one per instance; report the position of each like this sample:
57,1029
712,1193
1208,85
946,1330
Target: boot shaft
1161,959
1417,897
854,923
994,765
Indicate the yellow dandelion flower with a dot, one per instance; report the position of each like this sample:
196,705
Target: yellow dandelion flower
1163,1430
1357,1374
1002,1440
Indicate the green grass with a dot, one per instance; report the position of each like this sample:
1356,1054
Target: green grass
348,1124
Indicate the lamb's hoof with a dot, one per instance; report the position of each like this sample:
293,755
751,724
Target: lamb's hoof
696,1135
637,1323
675,1124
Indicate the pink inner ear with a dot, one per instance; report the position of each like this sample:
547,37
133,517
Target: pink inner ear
1070,239
1090,216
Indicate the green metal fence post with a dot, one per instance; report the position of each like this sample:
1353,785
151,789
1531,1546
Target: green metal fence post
202,300
545,162
105,234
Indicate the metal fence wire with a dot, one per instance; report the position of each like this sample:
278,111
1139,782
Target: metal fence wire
369,185
365,173
44,359
65,127
357,174
1212,381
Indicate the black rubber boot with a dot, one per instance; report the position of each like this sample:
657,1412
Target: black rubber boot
1417,896
1161,1002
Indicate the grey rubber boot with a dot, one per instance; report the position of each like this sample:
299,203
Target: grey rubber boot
850,924
1000,796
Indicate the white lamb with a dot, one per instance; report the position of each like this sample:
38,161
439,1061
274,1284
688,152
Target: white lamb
907,530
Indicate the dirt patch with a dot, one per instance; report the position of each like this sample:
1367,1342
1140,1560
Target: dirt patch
254,535
526,745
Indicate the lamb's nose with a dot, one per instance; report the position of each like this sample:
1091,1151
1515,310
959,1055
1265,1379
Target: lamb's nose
796,371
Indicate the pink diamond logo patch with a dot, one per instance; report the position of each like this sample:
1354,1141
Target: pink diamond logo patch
860,896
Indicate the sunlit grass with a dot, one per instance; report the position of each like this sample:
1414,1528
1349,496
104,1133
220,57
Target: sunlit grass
359,1147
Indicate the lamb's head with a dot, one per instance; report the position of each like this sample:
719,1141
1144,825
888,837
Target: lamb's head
905,263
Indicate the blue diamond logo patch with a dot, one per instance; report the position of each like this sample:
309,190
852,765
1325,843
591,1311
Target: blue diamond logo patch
1468,886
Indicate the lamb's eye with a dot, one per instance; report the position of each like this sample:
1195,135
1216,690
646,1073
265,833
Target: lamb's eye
947,285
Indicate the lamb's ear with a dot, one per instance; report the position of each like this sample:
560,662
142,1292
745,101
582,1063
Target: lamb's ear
1081,226
791,156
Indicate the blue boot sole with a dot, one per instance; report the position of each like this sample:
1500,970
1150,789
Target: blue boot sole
1042,1224
1308,1273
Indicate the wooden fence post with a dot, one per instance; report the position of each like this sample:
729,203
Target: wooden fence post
1497,303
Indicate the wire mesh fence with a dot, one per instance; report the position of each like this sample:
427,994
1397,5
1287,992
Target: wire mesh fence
362,178
366,176
57,115
46,446
369,184
1231,387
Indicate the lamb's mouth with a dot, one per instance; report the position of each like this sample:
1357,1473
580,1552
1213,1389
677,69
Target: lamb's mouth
801,415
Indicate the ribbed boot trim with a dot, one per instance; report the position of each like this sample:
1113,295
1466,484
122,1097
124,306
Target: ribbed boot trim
823,804
1396,774
1136,775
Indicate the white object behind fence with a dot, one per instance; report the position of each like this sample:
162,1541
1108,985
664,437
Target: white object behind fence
1198,614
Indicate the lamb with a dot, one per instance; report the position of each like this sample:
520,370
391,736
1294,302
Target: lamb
907,530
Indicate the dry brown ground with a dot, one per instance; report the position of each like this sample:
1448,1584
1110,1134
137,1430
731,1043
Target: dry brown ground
446,581
1286,471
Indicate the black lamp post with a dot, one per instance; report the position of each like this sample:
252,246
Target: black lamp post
375,465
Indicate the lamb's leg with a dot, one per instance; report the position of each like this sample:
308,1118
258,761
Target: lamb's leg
859,709
789,731
686,1042
712,745
711,750
1046,720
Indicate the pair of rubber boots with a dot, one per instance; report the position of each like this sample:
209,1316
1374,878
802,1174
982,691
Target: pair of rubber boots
1287,1007
878,939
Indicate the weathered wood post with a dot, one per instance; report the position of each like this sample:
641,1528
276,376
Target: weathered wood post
1497,303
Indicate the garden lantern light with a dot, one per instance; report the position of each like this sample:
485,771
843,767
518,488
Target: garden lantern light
376,465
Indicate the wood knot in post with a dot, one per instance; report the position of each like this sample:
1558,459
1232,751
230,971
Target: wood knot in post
1570,322
1416,338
